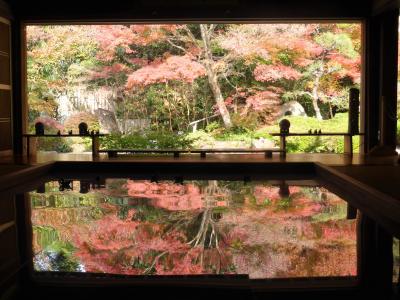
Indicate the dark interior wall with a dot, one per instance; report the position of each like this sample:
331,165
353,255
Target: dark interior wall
4,9
379,6
190,9
9,254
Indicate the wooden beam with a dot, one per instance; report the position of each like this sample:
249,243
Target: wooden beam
156,10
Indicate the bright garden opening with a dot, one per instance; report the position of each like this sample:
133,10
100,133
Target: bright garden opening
192,85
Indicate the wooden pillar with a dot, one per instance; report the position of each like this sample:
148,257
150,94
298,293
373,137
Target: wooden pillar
381,80
388,88
371,69
375,259
95,146
31,147
348,144
282,146
19,91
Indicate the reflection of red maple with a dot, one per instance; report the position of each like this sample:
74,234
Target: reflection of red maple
113,245
167,195
271,192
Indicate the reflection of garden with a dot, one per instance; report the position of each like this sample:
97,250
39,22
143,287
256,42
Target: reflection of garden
194,227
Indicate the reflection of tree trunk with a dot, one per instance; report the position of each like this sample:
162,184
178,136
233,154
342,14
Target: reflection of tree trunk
212,75
315,96
207,233
107,120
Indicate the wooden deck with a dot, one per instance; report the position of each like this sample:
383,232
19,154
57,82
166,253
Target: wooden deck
380,173
327,159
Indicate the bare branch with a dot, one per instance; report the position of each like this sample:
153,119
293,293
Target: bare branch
177,46
190,35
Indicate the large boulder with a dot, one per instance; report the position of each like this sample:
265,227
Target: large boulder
292,108
107,120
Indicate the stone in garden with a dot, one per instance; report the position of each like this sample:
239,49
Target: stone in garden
292,108
107,120
262,143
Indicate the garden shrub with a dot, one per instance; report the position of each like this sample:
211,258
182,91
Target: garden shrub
60,145
233,136
244,123
147,140
201,139
242,129
212,126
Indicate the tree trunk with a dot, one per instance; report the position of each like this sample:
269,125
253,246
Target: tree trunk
315,97
212,75
330,110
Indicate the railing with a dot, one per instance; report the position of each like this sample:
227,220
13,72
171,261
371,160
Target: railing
31,141
112,153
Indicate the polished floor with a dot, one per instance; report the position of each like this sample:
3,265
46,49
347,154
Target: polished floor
381,173
327,159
